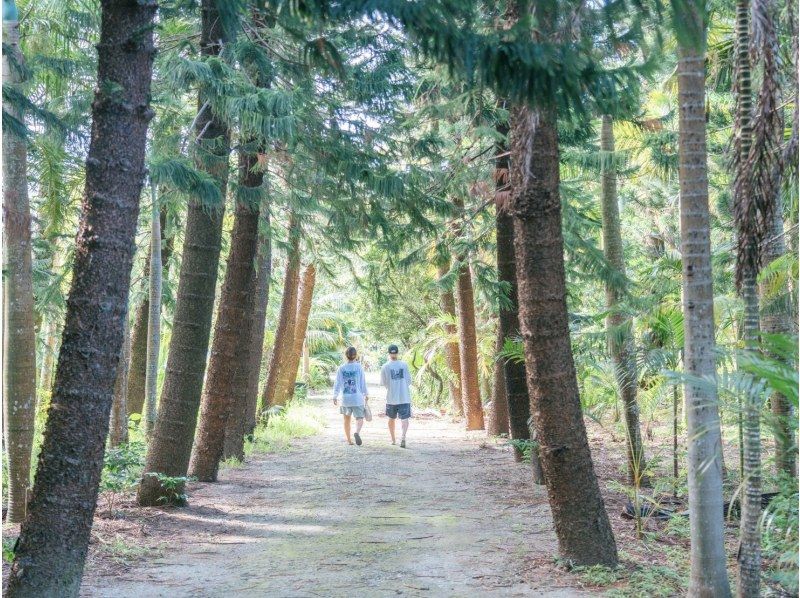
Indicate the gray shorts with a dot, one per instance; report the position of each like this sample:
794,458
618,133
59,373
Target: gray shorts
355,411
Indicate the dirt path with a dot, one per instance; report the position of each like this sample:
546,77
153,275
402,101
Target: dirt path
449,516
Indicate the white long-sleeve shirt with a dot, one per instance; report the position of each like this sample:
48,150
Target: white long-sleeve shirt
396,377
351,384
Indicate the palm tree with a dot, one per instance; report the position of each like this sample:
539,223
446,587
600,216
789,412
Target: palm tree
708,573
618,326
54,537
19,336
170,446
745,206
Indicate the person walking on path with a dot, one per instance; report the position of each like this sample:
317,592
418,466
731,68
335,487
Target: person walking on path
396,377
352,386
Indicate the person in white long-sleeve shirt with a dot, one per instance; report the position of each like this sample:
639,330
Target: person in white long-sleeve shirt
352,386
396,377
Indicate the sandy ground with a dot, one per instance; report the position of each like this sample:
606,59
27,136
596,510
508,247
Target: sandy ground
452,515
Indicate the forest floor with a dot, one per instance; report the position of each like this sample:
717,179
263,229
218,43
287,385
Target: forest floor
451,515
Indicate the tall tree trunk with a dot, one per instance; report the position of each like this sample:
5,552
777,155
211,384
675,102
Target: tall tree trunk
304,301
582,526
708,573
153,318
777,315
467,330
237,424
286,318
118,433
263,279
48,356
452,352
287,374
19,333
749,554
519,406
137,369
776,319
618,325
170,447
224,393
54,538
498,417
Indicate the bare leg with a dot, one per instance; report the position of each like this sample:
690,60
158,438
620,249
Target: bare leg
391,429
347,428
359,425
404,424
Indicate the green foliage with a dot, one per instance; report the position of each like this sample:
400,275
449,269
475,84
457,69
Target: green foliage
122,470
780,539
8,548
297,420
172,488
597,575
651,580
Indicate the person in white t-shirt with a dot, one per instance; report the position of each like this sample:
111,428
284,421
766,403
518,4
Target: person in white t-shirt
396,377
352,386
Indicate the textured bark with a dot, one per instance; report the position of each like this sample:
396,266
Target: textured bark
779,316
153,318
263,278
19,332
749,553
224,392
708,573
519,405
304,301
138,359
118,432
54,538
582,526
467,330
618,325
137,369
45,377
170,447
498,417
284,334
452,352
237,425
470,384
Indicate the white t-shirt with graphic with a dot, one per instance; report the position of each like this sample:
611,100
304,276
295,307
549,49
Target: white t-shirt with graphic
396,377
351,384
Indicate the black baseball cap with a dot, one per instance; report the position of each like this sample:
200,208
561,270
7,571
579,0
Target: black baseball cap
393,350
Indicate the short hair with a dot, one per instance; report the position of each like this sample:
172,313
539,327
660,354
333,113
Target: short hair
350,353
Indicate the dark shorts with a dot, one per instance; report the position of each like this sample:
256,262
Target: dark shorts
403,411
